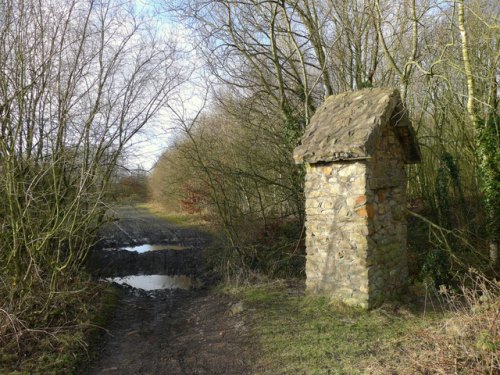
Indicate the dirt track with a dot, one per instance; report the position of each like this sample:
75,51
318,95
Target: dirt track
168,331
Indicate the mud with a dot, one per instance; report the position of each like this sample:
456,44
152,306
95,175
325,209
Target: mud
119,263
134,227
169,331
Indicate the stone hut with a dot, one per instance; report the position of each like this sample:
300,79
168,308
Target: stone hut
355,148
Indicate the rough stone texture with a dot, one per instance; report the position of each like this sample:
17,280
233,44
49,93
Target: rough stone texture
347,127
355,221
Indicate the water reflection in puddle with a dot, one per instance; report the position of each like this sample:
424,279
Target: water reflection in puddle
148,247
154,282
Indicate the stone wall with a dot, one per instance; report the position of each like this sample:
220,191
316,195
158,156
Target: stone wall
356,226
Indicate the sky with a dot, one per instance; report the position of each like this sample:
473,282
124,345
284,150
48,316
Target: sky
158,134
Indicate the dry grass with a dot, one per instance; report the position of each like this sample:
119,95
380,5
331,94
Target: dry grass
53,337
178,218
468,340
307,335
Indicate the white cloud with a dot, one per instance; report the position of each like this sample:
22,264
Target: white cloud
158,134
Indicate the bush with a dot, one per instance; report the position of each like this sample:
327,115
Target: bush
131,188
468,342
275,250
52,336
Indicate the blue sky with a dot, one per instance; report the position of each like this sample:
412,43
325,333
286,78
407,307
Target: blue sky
157,135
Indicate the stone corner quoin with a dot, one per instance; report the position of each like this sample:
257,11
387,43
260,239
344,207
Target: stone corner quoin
355,149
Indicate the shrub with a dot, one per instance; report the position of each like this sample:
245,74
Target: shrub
468,342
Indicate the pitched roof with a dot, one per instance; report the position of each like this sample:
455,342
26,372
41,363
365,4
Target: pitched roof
347,127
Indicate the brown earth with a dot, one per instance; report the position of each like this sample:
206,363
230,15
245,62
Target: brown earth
176,331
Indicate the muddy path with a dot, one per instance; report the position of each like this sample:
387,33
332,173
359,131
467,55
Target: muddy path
166,331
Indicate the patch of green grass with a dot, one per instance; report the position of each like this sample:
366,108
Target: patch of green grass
176,247
310,335
180,219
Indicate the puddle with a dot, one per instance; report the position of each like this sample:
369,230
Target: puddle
148,247
154,282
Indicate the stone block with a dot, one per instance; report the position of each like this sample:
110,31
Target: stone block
360,200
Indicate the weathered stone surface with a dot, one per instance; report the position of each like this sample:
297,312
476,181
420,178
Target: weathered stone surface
355,221
347,127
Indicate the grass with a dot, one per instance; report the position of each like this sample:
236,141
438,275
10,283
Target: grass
180,219
468,340
309,335
176,247
60,340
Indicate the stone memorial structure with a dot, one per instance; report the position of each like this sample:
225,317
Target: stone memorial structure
355,148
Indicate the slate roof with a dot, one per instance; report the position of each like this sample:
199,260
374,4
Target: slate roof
347,127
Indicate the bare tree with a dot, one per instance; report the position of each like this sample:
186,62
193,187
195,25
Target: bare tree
78,80
283,57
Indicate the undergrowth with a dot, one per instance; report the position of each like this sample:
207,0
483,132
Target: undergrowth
56,338
468,340
275,250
